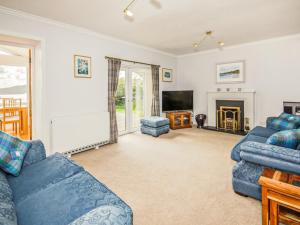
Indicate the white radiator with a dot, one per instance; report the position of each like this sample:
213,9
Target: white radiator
77,133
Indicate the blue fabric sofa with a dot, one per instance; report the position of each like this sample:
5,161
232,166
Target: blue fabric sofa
57,191
252,154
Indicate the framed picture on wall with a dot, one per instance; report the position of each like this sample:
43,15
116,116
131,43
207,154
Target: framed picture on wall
82,66
232,72
167,75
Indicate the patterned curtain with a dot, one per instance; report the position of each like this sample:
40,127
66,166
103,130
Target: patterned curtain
155,108
114,66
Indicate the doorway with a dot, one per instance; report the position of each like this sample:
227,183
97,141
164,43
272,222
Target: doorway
131,98
15,91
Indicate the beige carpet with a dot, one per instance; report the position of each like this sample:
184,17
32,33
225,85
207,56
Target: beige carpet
181,178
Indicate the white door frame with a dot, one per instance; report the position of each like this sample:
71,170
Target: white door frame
37,45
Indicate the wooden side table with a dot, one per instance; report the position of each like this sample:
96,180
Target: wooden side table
280,197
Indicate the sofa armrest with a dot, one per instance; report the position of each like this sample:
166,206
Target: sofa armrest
35,154
107,214
269,121
271,156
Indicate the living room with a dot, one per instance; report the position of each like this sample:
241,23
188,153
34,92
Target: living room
94,74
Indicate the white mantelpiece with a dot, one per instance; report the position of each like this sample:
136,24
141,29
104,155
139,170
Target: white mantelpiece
248,96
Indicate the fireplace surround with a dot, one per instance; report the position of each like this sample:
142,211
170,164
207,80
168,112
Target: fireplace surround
235,100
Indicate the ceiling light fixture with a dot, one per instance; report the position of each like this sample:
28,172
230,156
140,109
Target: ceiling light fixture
128,13
207,34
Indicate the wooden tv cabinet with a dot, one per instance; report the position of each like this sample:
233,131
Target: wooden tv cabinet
179,120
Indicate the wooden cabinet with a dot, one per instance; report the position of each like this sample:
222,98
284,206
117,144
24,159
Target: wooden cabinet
179,120
280,197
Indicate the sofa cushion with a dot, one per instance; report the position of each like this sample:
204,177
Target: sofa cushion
5,190
290,117
283,124
35,154
8,213
155,121
286,138
235,153
107,214
12,153
7,209
38,176
262,131
63,202
298,148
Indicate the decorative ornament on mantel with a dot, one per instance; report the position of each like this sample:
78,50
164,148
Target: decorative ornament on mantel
130,14
208,34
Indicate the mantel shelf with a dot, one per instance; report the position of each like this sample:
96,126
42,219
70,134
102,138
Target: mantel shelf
240,92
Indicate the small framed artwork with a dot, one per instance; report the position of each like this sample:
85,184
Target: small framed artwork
231,72
167,75
82,66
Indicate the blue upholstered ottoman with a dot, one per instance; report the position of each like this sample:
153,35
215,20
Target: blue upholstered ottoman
155,126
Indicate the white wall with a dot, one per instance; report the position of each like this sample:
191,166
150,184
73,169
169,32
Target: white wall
272,69
63,94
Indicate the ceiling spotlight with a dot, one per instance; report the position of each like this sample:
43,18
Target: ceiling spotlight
209,34
221,43
127,12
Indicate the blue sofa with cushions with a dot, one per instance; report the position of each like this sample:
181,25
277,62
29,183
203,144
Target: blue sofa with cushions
252,154
57,191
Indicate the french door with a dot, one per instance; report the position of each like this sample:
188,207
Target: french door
130,99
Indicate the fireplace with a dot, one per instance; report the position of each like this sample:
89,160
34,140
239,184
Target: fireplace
230,115
243,100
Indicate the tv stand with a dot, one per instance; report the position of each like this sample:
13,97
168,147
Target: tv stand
179,120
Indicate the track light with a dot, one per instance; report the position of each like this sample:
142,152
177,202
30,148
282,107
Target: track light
128,13
221,43
204,36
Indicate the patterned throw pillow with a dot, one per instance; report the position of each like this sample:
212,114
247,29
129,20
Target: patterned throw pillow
286,138
283,124
290,118
12,153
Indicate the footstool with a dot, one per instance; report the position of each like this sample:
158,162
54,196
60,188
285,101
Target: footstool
155,125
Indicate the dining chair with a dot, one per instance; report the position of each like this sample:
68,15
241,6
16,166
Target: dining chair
11,114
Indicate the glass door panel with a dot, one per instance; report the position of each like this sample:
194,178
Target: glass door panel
137,106
121,102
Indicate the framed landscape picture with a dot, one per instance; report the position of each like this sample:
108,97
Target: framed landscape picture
167,75
231,72
82,66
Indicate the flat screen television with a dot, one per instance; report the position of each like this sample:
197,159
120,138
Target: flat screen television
177,101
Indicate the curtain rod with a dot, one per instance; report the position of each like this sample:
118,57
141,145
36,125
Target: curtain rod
136,62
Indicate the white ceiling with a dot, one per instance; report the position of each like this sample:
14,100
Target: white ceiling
178,23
